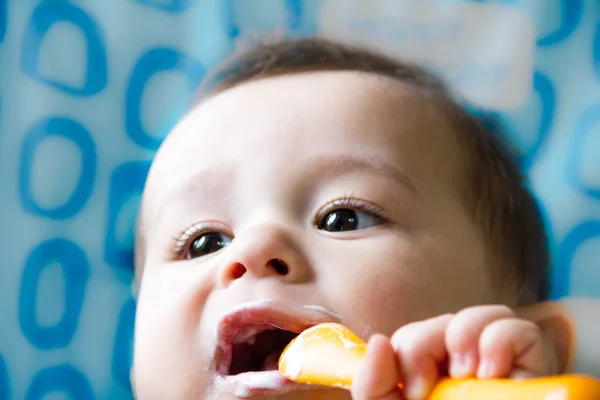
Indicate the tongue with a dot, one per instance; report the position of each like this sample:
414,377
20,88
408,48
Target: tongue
271,363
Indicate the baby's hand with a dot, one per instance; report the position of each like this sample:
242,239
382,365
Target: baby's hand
482,341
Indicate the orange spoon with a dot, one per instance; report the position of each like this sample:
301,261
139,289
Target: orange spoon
330,355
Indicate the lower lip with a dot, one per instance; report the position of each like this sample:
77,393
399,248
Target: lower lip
251,384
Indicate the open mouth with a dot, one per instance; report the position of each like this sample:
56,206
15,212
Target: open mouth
258,348
251,337
249,341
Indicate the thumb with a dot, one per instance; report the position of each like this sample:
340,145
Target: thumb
378,377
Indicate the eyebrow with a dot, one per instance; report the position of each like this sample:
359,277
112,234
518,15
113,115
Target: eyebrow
321,167
197,186
328,166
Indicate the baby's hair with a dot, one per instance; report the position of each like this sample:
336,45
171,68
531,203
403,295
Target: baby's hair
491,183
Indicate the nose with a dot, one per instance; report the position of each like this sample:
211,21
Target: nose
267,251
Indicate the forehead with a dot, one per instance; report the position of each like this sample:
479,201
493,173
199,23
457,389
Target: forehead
284,120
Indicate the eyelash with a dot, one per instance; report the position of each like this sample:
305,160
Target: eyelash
353,203
191,233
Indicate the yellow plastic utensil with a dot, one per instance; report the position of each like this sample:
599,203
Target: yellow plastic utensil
330,355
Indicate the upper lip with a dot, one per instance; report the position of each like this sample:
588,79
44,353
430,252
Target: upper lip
259,314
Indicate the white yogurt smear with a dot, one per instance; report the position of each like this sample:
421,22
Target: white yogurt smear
239,307
251,304
245,384
323,310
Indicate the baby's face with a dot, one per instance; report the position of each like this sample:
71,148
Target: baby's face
290,201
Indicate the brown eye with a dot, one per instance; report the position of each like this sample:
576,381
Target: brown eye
345,219
208,243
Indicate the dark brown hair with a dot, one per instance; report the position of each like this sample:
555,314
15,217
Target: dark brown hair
493,187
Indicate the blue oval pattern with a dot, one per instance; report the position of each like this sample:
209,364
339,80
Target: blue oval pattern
566,251
571,12
589,120
596,51
543,87
173,6
45,16
126,182
74,132
4,381
154,61
123,349
76,273
3,18
64,379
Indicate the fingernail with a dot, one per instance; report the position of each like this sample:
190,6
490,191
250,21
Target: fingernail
520,375
486,369
461,365
416,389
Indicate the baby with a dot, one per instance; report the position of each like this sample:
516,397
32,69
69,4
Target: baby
315,182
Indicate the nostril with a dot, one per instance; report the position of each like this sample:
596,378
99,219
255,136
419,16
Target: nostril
237,271
279,266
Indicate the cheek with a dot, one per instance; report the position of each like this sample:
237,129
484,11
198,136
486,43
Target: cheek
388,284
376,286
159,329
178,292
167,335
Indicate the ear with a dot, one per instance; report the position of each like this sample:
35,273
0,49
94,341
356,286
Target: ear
555,320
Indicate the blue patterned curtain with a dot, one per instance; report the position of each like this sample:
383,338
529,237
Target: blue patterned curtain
88,89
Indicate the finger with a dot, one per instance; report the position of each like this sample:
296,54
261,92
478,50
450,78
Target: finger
515,348
379,375
422,352
462,337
